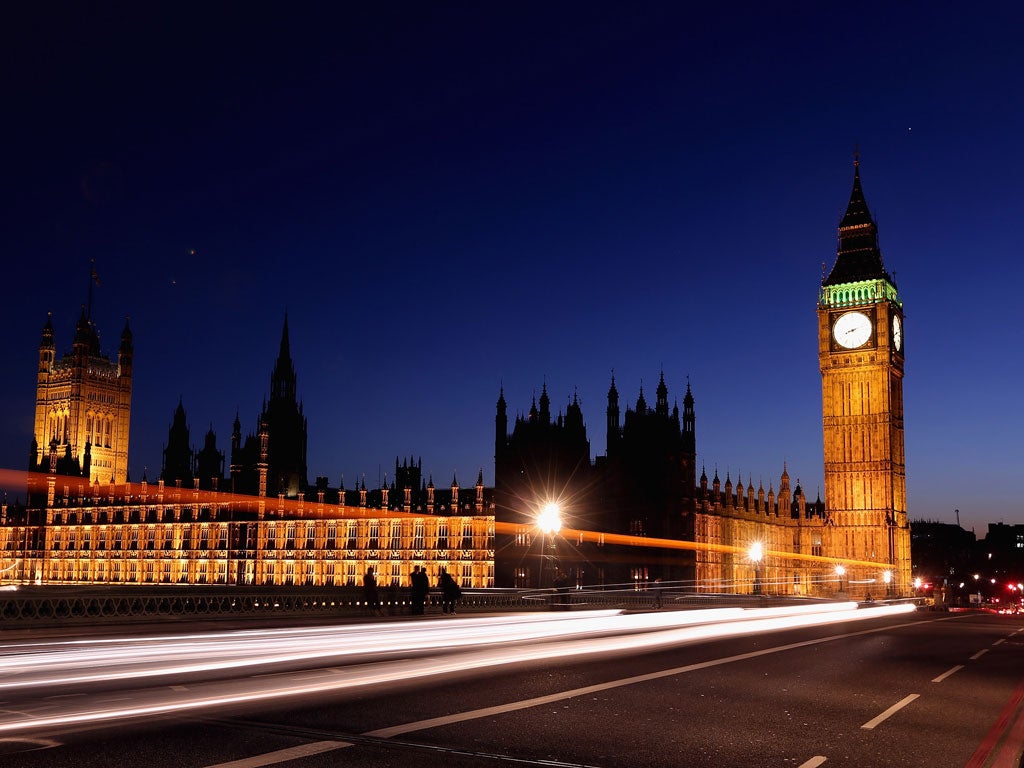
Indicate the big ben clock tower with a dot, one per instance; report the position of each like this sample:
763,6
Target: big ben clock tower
861,353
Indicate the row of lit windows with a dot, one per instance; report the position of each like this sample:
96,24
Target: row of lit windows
469,574
285,536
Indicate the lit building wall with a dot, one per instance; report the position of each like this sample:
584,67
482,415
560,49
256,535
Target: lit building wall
153,540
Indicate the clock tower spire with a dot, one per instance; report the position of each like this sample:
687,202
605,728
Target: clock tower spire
861,356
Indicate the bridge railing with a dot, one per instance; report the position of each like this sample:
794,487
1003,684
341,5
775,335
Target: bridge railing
57,605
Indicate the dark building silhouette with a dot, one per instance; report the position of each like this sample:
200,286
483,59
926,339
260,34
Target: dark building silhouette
1001,556
273,459
644,486
942,551
650,467
185,467
178,454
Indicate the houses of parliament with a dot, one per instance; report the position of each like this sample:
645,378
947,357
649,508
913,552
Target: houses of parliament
635,515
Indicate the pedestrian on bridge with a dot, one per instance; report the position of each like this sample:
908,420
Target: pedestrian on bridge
370,595
450,592
419,589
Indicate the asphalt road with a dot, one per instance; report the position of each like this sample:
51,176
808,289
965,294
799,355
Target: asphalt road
917,689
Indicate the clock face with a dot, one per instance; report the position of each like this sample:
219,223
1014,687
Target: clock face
852,330
897,333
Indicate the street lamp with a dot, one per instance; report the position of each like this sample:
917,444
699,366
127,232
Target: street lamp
840,572
890,524
755,554
549,521
887,578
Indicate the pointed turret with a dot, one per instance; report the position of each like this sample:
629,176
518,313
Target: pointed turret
661,403
209,463
47,346
614,430
500,424
126,352
82,335
574,415
283,379
545,405
178,456
689,422
859,256
641,403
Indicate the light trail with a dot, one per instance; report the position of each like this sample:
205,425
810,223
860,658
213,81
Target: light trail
67,663
639,632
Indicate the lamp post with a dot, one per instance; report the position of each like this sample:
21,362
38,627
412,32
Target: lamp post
890,526
755,554
840,572
549,521
887,578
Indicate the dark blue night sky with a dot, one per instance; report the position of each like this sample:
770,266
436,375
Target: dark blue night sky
451,198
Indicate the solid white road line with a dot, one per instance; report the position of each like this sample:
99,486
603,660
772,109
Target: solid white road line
870,724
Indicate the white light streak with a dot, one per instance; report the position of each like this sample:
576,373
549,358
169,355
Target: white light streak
454,647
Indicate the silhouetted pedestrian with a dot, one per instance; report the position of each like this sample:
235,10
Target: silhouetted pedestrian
450,592
370,596
420,588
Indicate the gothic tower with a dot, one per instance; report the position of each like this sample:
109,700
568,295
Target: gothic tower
860,351
285,426
178,454
273,459
83,406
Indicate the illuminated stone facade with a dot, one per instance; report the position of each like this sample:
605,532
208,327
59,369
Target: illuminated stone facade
83,407
730,521
149,534
861,354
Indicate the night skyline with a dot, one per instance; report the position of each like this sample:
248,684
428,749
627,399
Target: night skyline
448,201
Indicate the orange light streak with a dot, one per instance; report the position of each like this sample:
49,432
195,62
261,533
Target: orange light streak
147,494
